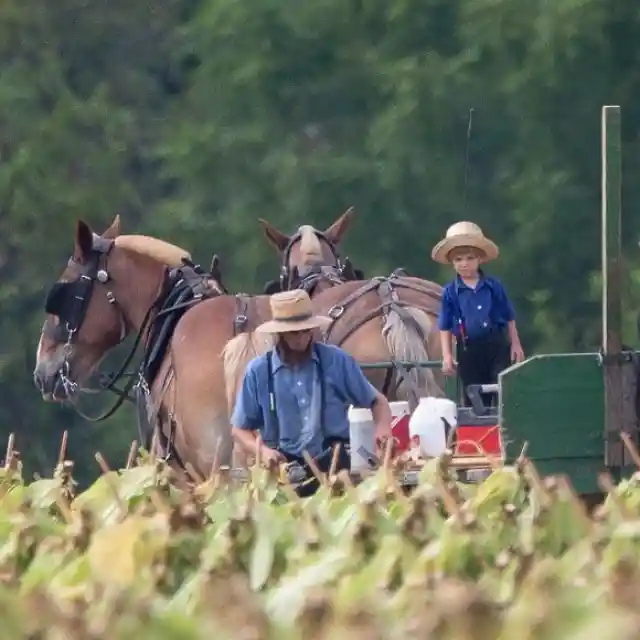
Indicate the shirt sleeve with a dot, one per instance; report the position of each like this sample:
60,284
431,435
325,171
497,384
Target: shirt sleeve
446,315
358,389
505,307
247,413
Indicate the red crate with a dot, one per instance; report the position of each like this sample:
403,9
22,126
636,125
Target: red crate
400,431
486,436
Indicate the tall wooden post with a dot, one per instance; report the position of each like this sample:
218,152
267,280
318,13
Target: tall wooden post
619,369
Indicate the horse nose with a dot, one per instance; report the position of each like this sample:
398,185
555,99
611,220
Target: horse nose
38,379
42,381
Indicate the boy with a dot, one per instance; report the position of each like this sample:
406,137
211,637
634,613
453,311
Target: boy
475,309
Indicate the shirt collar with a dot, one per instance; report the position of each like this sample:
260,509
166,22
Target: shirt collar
277,362
459,284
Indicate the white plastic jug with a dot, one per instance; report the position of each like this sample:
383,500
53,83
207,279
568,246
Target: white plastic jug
426,423
361,434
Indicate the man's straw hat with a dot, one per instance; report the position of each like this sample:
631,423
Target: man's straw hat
292,311
464,234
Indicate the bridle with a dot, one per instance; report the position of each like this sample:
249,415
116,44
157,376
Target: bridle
311,277
69,301
291,278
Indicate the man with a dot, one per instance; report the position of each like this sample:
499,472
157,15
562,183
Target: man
297,394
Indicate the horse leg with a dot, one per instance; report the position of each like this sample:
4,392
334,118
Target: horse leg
195,399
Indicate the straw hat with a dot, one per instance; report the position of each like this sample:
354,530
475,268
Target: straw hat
292,311
464,234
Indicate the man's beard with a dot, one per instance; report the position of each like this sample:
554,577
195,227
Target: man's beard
291,356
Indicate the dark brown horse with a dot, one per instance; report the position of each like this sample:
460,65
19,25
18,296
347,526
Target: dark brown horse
376,320
117,284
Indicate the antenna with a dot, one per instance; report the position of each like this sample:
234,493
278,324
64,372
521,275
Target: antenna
467,156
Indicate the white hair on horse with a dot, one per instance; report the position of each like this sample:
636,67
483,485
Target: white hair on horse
310,247
406,344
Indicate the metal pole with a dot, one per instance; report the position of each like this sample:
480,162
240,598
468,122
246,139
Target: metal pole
611,216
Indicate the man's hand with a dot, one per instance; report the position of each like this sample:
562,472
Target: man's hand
271,457
382,418
382,435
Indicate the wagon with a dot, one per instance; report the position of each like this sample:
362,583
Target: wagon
570,409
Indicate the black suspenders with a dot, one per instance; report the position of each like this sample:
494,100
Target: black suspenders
272,396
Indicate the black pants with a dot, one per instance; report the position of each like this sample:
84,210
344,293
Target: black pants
323,462
480,360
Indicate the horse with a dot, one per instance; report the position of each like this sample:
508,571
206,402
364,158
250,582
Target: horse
310,258
390,318
117,284
247,344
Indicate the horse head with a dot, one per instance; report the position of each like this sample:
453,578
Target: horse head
107,290
309,258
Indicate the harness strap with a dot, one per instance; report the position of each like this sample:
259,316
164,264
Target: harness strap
387,290
434,291
241,319
337,310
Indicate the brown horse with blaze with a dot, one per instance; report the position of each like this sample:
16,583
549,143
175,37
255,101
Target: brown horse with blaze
117,284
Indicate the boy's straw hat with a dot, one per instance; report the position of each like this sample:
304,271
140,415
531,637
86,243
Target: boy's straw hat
292,311
464,234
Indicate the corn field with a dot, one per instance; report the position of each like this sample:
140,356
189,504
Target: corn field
134,556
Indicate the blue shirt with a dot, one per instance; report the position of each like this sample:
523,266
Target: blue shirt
483,309
297,397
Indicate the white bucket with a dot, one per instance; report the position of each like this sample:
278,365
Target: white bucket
426,423
361,434
362,431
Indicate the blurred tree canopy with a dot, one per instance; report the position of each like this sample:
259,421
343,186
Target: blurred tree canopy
193,118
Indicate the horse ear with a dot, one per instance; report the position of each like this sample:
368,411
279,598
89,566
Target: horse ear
273,286
83,243
114,230
214,269
335,232
278,239
359,274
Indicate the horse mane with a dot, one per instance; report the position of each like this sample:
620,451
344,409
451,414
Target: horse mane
164,252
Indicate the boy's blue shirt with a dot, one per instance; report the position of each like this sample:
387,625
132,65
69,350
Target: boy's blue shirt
483,309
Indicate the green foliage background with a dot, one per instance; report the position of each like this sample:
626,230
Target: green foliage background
192,118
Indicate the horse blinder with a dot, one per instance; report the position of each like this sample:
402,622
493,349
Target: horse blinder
69,300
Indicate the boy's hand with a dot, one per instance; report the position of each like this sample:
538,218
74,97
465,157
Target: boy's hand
517,353
448,366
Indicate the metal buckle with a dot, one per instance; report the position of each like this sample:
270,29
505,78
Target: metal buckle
336,311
